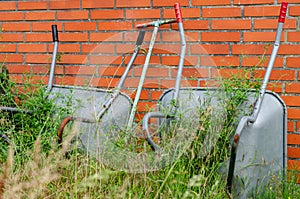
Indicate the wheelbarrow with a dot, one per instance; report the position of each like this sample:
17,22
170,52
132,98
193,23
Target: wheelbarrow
107,113
259,143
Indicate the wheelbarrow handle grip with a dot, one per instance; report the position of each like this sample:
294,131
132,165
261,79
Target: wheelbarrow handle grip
178,12
283,10
54,33
156,23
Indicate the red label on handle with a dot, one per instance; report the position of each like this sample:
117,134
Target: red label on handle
178,12
282,14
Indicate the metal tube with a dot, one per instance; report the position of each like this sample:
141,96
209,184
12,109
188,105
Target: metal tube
52,68
142,79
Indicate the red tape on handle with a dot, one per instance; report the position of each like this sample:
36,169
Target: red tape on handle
282,14
178,12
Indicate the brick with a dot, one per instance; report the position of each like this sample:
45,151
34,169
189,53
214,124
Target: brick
293,152
231,24
98,48
275,86
45,26
8,48
298,126
152,72
11,58
148,83
250,49
98,4
102,36
38,58
64,4
195,25
292,87
261,11
111,71
227,72
72,15
32,47
16,27
7,5
80,70
18,69
65,48
261,61
288,49
293,62
293,164
210,49
294,10
140,60
170,2
76,37
146,106
186,13
73,59
79,26
221,12
174,36
124,48
107,14
143,14
165,83
105,59
210,2
132,3
38,16
291,100
219,61
166,49
118,25
32,5
273,23
277,74
7,37
11,16
174,60
16,79
220,36
239,2
192,73
144,95
38,37
42,69
290,127
293,113
260,36
293,36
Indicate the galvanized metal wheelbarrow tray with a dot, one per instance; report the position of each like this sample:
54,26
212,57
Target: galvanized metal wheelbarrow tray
259,144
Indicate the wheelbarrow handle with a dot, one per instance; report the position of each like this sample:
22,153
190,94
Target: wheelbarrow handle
178,12
54,33
156,23
283,10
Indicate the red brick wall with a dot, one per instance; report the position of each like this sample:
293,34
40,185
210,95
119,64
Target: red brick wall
96,33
